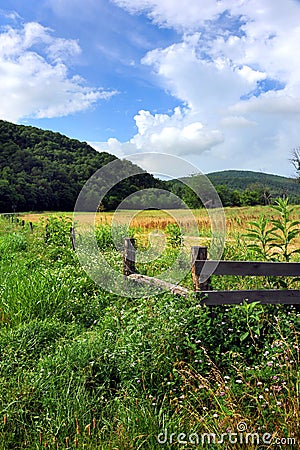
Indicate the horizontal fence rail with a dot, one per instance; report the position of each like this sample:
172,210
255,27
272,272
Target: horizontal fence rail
202,268
265,296
248,268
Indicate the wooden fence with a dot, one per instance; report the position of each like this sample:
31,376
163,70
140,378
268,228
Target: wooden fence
200,263
220,297
14,218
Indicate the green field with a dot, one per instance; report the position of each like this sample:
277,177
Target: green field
84,368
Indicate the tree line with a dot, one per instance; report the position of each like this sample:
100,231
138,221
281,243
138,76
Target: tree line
45,171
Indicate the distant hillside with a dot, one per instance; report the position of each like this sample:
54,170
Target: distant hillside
241,180
43,170
236,188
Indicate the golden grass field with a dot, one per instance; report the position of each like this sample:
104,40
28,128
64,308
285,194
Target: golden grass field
237,218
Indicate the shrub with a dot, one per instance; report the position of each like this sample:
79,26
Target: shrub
174,235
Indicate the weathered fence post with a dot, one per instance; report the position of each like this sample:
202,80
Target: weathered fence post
73,239
31,227
198,253
129,256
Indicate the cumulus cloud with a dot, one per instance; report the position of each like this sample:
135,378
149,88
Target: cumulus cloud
176,133
237,73
34,79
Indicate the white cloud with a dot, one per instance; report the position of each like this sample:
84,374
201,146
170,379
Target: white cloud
269,103
176,134
200,82
237,72
183,15
34,79
236,122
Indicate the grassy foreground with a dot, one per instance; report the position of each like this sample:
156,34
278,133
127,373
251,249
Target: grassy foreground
82,368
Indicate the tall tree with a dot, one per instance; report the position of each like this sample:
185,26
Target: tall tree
296,160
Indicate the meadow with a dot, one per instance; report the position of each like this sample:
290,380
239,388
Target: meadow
83,368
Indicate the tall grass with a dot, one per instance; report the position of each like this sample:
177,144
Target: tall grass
82,368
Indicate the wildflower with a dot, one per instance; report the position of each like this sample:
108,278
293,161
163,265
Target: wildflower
215,416
238,381
270,363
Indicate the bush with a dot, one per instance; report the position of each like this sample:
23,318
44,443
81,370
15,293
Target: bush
174,235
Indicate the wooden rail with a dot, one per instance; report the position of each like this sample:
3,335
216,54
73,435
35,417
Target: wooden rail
202,268
249,268
265,296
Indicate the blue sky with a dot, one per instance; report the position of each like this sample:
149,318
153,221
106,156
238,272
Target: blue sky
216,83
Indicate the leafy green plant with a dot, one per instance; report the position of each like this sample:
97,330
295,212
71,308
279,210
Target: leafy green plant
103,236
263,237
274,238
285,231
174,235
112,236
57,230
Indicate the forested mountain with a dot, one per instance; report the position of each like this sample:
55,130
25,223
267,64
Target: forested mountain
238,188
43,170
244,179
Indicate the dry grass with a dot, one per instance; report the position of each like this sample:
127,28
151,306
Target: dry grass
237,219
